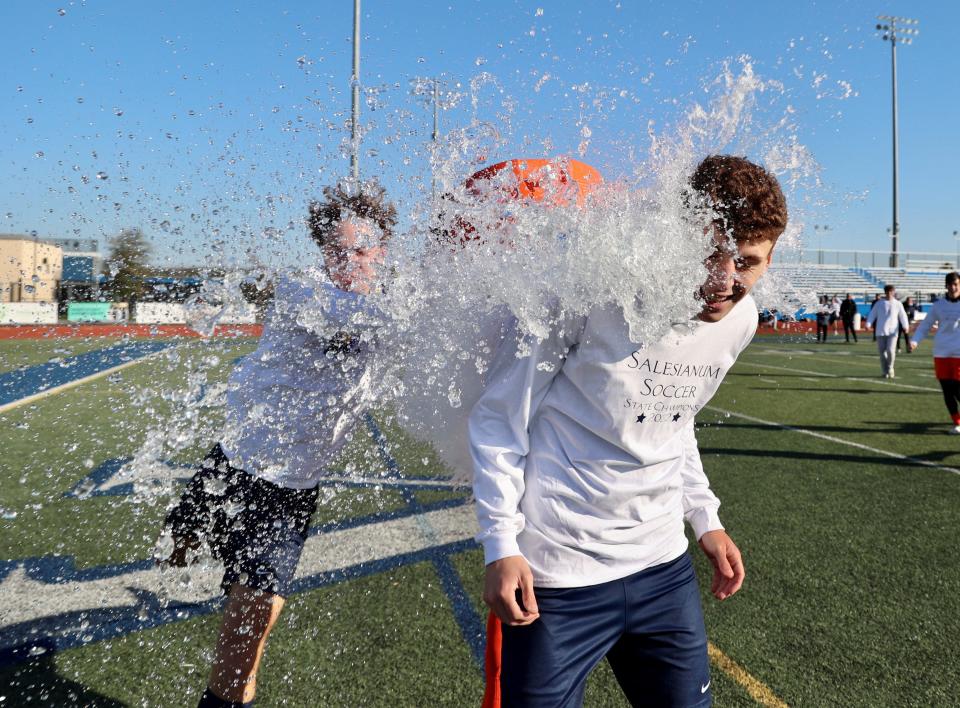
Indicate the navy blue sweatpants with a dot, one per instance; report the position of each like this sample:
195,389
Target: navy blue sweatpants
649,625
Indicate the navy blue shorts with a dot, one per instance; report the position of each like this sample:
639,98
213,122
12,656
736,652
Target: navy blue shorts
254,527
649,626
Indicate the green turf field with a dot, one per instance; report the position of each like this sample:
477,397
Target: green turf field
841,488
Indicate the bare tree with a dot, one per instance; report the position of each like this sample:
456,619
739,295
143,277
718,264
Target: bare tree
127,265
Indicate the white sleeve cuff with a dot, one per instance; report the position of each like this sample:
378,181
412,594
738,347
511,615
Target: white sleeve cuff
704,519
499,546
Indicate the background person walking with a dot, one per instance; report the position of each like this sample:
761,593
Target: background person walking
886,318
848,310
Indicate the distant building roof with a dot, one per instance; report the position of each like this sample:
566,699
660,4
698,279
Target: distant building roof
27,237
77,245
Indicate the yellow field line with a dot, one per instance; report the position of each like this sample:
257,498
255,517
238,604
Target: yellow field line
759,691
73,384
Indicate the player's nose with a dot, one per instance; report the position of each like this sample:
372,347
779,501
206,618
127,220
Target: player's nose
723,271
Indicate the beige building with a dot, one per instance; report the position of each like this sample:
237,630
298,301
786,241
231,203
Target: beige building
30,269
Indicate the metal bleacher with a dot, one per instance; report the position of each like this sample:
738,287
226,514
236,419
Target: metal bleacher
911,281
826,279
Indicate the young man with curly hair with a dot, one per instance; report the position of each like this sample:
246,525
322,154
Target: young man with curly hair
291,406
586,466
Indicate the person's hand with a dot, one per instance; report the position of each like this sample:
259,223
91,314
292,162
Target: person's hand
501,581
912,346
728,570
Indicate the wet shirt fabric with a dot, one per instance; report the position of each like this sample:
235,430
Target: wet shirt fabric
586,462
292,403
946,316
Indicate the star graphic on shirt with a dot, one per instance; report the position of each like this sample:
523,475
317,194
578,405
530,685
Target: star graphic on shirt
641,417
676,417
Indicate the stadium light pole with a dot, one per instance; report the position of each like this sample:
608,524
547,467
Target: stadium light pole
355,95
894,32
421,87
820,229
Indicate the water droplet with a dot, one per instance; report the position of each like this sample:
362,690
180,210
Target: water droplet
7,514
539,12
480,61
118,111
79,99
85,489
101,175
38,153
61,12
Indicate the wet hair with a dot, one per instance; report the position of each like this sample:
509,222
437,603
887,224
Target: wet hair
951,277
746,198
887,289
367,202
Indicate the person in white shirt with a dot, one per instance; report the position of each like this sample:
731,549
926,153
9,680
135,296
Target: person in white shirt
887,317
945,314
291,406
586,466
835,313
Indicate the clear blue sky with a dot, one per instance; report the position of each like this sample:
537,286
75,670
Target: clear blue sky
209,122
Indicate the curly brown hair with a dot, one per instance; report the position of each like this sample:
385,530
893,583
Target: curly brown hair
367,202
746,198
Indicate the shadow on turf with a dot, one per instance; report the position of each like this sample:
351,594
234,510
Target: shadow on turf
833,389
878,426
824,457
37,682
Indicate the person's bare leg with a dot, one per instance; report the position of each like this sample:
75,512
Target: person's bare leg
247,620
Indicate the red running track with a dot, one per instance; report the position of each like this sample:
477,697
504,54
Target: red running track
59,331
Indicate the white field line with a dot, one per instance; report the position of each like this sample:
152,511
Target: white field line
839,441
879,382
396,482
77,382
23,599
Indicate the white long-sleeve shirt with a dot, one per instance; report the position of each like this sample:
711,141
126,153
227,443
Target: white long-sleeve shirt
586,462
292,403
946,315
888,316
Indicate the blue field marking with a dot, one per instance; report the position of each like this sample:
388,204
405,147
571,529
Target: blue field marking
92,484
31,380
383,445
63,569
471,625
29,640
22,641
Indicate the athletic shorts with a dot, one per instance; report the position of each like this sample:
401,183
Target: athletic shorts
947,367
649,626
254,527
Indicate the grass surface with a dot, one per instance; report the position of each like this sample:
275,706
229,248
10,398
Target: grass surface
852,595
